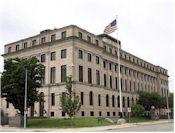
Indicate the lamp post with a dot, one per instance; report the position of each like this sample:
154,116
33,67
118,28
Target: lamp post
25,96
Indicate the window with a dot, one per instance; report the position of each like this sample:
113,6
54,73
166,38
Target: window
116,68
17,47
63,114
33,42
80,35
116,86
105,80
110,66
91,113
52,114
25,45
80,73
118,101
128,102
9,49
53,99
80,54
63,53
110,50
53,38
43,40
63,73
107,100
52,75
43,79
90,98
108,113
63,35
113,113
126,84
97,60
89,75
96,42
104,64
43,58
99,113
52,55
98,77
132,100
123,102
89,57
121,84
82,98
110,81
88,38
82,113
99,100
113,101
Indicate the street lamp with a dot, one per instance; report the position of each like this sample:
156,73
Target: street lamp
25,96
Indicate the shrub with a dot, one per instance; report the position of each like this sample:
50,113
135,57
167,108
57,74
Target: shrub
137,110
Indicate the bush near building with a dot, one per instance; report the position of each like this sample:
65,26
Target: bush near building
137,110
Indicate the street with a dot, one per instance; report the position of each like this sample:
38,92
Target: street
163,127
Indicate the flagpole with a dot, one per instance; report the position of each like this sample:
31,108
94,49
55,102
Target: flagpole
119,78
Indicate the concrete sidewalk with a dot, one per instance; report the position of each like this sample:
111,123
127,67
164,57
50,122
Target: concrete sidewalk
85,129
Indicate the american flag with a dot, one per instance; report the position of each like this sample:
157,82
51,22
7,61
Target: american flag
111,27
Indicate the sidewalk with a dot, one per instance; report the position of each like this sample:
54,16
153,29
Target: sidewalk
86,129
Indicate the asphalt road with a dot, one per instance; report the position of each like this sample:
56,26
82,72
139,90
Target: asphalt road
165,127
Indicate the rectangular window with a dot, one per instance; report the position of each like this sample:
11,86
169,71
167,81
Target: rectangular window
52,75
97,60
99,113
104,64
108,113
25,45
110,81
98,77
91,113
63,53
110,50
43,40
110,66
80,73
43,79
82,113
63,73
80,35
99,100
121,84
63,114
63,35
89,57
82,98
53,99
17,47
52,55
96,41
113,113
33,42
9,49
88,38
80,53
52,114
43,58
116,86
53,38
105,80
89,75
116,68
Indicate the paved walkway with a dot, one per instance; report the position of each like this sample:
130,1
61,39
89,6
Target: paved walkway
87,129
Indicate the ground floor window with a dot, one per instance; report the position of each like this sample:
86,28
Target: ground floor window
99,113
91,113
63,114
108,113
113,113
52,114
82,113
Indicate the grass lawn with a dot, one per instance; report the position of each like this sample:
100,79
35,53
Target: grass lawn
137,119
65,123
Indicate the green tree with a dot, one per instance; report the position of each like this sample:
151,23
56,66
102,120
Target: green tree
150,99
137,110
70,103
13,81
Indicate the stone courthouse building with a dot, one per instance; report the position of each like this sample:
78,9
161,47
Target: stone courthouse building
92,62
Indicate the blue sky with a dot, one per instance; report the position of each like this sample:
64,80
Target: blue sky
145,27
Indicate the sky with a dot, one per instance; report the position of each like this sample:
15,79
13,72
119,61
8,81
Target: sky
145,27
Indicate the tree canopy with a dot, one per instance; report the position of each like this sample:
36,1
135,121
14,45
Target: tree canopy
13,81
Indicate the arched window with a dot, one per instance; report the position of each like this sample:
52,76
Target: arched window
123,101
128,102
90,98
113,101
118,101
107,100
